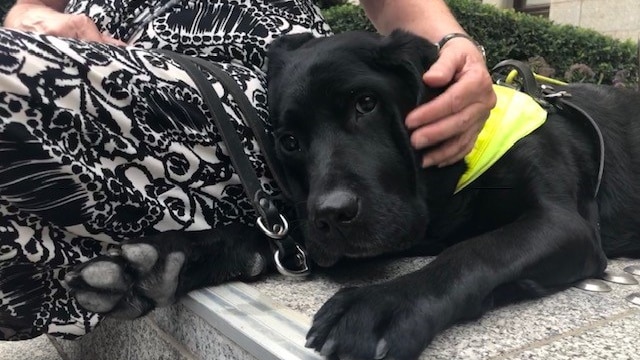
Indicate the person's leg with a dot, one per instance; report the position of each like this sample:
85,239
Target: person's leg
100,144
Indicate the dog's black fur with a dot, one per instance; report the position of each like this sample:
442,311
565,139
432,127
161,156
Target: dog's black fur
527,227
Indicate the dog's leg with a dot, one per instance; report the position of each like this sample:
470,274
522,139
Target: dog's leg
549,247
155,271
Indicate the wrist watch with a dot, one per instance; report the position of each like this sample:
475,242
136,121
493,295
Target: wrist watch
448,37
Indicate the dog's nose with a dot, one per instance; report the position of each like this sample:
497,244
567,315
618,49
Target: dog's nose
335,209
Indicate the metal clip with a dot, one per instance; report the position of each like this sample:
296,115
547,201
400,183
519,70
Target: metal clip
301,259
557,94
279,230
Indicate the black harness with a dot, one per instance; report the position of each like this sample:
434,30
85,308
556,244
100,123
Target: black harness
553,101
290,258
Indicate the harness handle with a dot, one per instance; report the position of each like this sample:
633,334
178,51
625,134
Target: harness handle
547,95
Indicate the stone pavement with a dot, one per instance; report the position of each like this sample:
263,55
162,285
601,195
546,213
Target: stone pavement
268,320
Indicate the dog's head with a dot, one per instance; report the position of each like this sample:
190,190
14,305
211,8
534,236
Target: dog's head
338,106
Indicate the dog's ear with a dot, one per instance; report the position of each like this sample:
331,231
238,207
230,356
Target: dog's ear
290,42
276,52
276,55
410,56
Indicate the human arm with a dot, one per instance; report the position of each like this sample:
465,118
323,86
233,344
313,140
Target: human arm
451,122
48,17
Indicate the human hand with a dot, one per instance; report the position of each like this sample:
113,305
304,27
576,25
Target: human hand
48,21
452,121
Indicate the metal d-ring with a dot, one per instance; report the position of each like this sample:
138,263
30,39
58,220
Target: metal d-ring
278,232
301,256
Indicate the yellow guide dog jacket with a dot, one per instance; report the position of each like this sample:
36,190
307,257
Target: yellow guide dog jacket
515,116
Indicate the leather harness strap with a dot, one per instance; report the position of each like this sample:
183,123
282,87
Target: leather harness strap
290,258
548,97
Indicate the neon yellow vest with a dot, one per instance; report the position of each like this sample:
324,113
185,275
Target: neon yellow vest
515,116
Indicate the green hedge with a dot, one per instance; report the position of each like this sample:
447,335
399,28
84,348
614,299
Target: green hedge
574,53
5,5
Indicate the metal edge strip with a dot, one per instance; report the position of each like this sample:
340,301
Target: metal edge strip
261,327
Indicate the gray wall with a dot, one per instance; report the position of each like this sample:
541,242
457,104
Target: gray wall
617,18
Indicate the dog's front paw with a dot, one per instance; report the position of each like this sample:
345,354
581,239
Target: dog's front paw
374,322
127,283
154,271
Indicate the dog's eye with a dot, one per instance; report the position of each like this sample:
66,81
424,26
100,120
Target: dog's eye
365,104
289,143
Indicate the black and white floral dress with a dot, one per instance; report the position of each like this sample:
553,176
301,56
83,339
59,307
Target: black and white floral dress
101,143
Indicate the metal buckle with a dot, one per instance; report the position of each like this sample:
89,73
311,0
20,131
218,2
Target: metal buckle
277,234
301,256
559,94
279,231
548,92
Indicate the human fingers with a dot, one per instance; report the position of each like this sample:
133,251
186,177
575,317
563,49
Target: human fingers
84,28
457,133
107,39
458,115
442,72
453,149
462,64
38,19
473,86
450,122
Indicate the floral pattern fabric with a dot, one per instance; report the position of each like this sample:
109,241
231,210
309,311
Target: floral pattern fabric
99,143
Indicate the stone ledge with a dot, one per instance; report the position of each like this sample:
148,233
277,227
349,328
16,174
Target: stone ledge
268,321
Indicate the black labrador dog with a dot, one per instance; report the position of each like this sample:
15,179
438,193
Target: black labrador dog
528,226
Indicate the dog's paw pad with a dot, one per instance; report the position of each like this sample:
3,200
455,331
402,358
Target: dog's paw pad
382,349
105,275
162,290
127,283
256,266
97,302
141,256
